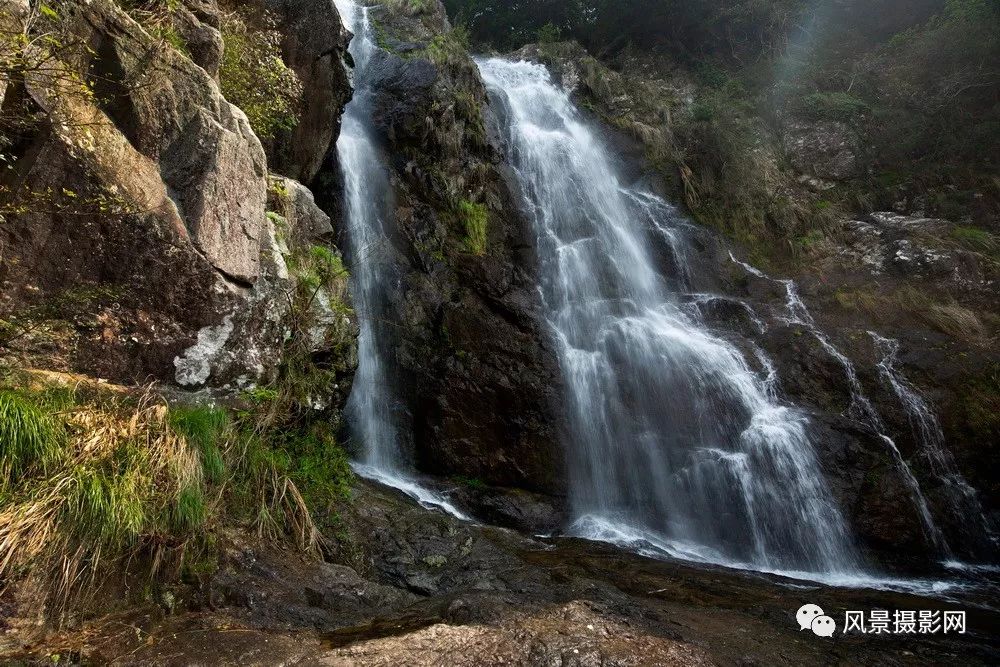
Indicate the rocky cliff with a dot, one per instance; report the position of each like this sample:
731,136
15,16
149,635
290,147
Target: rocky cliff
142,245
478,378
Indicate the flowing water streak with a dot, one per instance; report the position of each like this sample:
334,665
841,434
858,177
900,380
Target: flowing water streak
674,444
372,406
930,436
861,408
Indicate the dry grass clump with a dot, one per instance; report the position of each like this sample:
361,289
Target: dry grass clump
941,313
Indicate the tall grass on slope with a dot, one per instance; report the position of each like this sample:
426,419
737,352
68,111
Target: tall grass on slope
30,440
115,482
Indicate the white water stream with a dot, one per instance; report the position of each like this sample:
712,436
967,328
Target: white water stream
373,409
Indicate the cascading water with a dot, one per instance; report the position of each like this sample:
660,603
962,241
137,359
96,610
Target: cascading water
924,424
861,408
372,407
674,443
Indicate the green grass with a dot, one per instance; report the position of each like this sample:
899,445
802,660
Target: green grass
205,427
449,48
189,510
31,440
108,503
475,221
832,106
471,482
975,239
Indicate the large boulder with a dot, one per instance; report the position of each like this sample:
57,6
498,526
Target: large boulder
314,45
827,149
197,22
141,231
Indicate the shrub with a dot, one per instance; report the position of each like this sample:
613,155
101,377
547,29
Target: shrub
832,106
475,221
548,34
253,76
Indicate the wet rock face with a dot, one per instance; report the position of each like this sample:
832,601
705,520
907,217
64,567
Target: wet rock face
870,491
513,508
412,587
479,381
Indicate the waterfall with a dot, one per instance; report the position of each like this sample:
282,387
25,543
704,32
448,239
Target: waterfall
674,444
373,409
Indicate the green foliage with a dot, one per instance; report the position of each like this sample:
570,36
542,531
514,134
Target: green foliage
319,467
30,439
548,33
327,265
475,221
411,7
832,106
259,395
254,77
976,239
737,28
471,482
711,75
810,241
110,502
450,48
206,427
277,187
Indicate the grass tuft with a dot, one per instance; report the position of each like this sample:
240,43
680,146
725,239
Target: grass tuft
475,220
30,440
205,427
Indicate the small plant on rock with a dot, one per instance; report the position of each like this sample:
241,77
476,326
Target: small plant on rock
475,220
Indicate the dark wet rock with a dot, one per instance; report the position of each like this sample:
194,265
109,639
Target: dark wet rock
809,374
512,508
314,45
479,379
555,602
264,586
730,314
403,97
871,492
